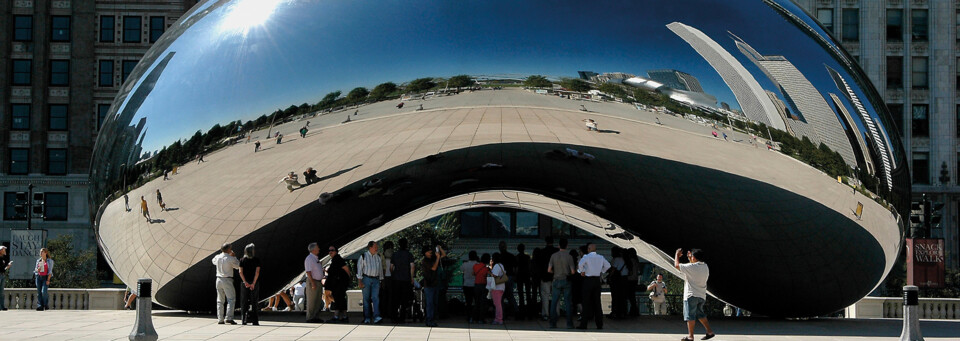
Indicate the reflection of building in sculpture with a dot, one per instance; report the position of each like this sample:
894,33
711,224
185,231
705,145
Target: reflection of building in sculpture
864,161
806,100
586,75
724,105
696,99
608,76
753,102
880,142
782,110
676,79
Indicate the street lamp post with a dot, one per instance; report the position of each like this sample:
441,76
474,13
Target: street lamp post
29,206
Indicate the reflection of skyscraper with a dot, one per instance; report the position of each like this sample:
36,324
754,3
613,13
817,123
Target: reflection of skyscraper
880,142
586,75
724,105
861,152
676,79
753,102
805,98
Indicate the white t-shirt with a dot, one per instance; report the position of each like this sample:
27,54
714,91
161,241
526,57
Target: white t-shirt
498,271
468,276
695,279
298,289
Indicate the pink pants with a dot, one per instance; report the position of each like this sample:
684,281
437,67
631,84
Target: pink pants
498,304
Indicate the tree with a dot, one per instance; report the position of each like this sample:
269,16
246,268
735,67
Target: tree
72,269
329,100
428,234
575,84
383,90
357,95
421,84
613,90
537,81
460,81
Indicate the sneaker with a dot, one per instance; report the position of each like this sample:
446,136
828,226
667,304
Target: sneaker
39,308
708,336
231,322
377,320
366,321
286,309
219,322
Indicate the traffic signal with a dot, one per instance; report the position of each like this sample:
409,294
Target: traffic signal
20,206
936,214
916,214
38,205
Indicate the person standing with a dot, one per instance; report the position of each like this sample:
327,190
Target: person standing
658,295
256,146
163,207
340,274
616,278
369,274
561,267
590,268
509,262
402,269
386,296
303,132
313,290
522,281
480,272
4,267
633,263
468,282
249,293
145,210
299,296
542,262
497,271
431,281
43,272
695,275
225,262
126,201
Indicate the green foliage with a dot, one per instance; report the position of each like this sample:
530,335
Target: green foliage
460,81
71,269
357,95
537,81
383,90
614,90
575,84
421,84
428,234
820,157
329,100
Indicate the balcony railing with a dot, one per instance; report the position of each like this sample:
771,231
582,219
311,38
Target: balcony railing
65,299
892,307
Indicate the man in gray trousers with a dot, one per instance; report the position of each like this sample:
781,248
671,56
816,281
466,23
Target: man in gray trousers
225,263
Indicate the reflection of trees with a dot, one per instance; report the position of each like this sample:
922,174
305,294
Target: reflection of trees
428,234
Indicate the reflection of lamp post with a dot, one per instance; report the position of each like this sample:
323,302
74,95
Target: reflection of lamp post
29,206
123,173
270,129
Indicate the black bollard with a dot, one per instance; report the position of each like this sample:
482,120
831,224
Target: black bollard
911,314
143,328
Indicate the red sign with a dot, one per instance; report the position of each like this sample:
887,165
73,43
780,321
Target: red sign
925,263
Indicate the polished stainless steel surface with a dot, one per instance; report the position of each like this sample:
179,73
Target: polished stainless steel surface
494,106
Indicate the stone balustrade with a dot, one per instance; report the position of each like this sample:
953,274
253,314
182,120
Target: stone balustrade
892,307
65,299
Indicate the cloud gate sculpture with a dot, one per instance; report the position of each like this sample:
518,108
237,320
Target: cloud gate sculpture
415,109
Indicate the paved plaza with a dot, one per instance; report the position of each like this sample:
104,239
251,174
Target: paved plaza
171,325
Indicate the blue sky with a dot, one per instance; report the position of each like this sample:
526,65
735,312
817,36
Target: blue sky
305,49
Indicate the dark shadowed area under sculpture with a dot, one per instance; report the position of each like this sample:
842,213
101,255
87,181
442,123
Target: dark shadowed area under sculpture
740,128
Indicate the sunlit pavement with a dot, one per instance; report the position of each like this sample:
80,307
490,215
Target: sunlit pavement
170,325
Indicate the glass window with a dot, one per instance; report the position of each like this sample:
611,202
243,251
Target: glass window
55,206
56,161
471,223
60,28
107,23
958,35
498,223
919,22
22,28
528,224
825,16
921,168
128,66
896,111
58,117
157,25
22,71
20,116
894,25
106,74
958,125
560,229
59,72
894,72
19,161
958,73
919,79
9,206
921,121
102,110
851,24
131,29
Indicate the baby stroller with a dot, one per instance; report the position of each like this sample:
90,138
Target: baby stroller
419,304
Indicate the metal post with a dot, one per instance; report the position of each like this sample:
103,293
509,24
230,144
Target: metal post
143,328
911,314
29,206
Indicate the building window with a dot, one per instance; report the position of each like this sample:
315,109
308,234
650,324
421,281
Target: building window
19,161
918,79
825,16
128,66
22,28
58,117
107,23
921,120
60,28
528,224
102,110
896,111
958,35
919,22
22,71
56,161
851,24
471,223
157,25
958,74
59,72
131,29
958,123
499,223
106,74
20,117
894,72
55,206
921,168
9,206
894,25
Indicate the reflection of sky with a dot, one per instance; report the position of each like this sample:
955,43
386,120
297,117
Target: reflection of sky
308,48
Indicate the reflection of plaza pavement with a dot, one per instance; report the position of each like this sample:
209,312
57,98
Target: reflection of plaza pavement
236,191
170,325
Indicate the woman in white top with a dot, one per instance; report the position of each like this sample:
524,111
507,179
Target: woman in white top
497,271
43,272
468,281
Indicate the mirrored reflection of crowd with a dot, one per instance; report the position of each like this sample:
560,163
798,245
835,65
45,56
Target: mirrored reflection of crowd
552,283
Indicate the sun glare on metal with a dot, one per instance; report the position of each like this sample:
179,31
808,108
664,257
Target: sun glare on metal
248,14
